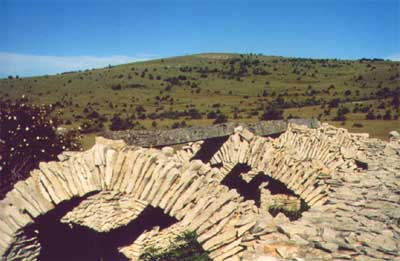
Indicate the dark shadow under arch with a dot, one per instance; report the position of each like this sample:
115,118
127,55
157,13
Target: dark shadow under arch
59,241
251,191
209,148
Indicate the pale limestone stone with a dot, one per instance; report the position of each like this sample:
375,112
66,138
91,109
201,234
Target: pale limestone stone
111,158
221,239
168,151
226,251
306,161
105,211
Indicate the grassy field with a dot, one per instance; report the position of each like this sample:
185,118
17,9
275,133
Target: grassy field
164,93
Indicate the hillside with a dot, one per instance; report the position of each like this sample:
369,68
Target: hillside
195,89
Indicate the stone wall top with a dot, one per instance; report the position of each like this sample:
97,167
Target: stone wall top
156,138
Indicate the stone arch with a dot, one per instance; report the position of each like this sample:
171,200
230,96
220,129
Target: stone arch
292,166
303,159
82,237
187,191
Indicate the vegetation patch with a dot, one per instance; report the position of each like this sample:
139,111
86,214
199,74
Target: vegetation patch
183,248
200,90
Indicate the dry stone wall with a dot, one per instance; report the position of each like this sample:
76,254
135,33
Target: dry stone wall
105,211
350,183
304,159
157,138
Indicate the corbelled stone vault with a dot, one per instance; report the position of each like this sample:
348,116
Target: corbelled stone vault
347,184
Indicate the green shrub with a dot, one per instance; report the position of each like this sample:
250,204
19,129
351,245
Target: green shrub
272,113
118,123
184,248
221,118
90,126
288,211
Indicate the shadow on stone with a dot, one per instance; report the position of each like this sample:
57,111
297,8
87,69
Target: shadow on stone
209,148
60,241
252,190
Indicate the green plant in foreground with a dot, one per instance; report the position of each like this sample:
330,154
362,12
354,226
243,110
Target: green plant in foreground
183,247
293,213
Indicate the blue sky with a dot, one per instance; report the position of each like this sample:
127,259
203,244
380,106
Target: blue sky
45,37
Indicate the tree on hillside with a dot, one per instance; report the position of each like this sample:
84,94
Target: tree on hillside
212,115
334,103
272,113
387,116
221,118
370,116
118,123
194,113
396,101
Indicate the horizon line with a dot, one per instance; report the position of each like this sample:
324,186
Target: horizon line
57,65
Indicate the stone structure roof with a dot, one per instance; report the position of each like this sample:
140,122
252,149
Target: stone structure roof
349,182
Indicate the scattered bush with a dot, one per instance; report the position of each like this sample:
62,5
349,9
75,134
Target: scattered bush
91,126
194,114
334,103
370,116
116,87
183,247
212,115
339,118
220,119
272,113
396,101
177,125
118,123
387,116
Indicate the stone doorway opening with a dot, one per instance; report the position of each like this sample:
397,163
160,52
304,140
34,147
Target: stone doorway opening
268,194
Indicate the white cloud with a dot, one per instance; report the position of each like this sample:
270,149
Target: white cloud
394,57
29,65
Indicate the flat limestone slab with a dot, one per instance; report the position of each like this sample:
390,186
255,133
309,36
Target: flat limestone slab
105,211
146,138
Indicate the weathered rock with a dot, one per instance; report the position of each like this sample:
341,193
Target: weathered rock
185,135
394,136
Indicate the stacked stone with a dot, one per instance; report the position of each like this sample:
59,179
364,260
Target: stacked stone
152,239
357,219
51,184
25,247
191,194
304,159
105,211
188,192
283,163
48,186
334,147
188,151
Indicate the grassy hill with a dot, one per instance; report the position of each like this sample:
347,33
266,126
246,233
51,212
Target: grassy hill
194,89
